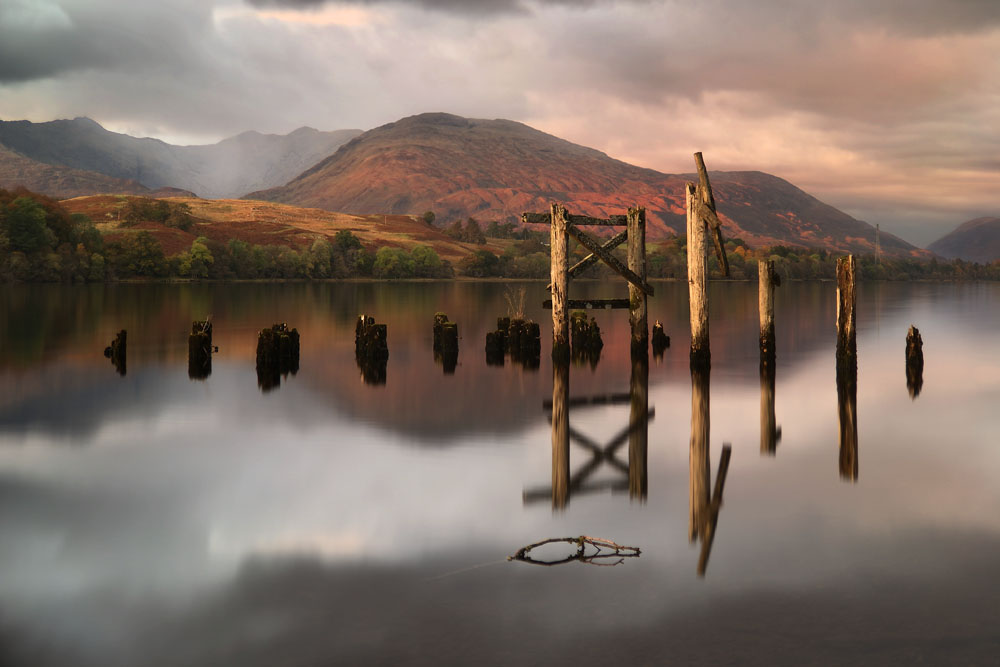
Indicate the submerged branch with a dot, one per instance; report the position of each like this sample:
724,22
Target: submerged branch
603,550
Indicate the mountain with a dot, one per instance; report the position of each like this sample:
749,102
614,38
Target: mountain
977,240
497,169
229,168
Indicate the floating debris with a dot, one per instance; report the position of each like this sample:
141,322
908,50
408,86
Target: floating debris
603,552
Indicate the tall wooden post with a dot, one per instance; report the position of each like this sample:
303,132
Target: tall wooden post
637,264
697,246
847,347
638,438
559,250
560,434
765,300
698,458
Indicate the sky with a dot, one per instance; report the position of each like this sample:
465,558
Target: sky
887,109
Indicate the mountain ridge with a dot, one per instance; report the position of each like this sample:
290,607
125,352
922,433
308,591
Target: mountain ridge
976,240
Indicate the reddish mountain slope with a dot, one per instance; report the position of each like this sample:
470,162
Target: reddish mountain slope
976,241
497,169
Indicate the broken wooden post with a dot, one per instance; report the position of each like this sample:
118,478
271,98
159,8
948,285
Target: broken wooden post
847,347
559,254
914,362
770,432
200,350
496,342
277,355
660,340
637,264
638,439
117,352
586,340
560,434
445,343
701,356
767,281
708,213
698,457
371,349
708,533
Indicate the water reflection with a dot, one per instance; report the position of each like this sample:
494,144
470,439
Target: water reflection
703,509
770,432
847,411
632,475
117,352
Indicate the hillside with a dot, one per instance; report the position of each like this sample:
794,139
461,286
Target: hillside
497,169
977,240
229,168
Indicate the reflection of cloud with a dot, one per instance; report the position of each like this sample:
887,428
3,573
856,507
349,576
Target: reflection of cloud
350,545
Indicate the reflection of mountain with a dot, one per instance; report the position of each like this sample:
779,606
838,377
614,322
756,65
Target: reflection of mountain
52,340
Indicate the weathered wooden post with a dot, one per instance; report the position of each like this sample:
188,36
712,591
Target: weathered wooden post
560,434
699,471
638,438
708,532
200,350
559,253
637,264
117,352
767,281
914,362
701,355
847,347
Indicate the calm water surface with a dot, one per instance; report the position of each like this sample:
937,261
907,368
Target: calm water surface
151,519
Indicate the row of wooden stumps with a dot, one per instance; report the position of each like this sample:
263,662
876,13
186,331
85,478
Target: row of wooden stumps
520,338
371,349
277,355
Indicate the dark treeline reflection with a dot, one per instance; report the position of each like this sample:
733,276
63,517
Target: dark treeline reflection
632,475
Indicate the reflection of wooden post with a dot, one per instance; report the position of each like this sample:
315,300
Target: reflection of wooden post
847,409
560,435
847,347
638,438
698,454
637,264
697,246
559,249
712,520
769,431
765,300
712,218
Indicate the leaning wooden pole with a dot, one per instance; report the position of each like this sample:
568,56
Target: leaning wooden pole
765,300
847,347
559,250
637,264
701,356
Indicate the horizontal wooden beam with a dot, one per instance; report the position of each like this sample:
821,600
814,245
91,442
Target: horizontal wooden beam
584,304
601,399
542,494
592,259
580,220
609,259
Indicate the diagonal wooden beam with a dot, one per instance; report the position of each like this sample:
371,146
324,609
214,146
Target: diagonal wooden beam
579,220
708,536
709,213
609,259
592,259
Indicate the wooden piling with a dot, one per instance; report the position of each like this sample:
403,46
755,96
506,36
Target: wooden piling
117,352
701,356
638,439
698,457
200,350
560,434
847,347
767,281
559,253
914,362
637,264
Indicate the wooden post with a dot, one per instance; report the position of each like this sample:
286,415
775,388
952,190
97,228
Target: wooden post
701,356
560,435
638,439
765,300
698,458
847,347
914,362
637,264
559,250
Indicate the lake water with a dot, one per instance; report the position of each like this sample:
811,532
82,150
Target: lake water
152,519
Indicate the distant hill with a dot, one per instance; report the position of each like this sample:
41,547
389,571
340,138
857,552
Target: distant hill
977,240
497,169
230,168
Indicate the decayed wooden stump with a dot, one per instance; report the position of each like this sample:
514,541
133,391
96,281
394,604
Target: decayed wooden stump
559,254
585,335
914,362
660,340
767,281
277,355
200,350
445,343
117,352
847,346
637,297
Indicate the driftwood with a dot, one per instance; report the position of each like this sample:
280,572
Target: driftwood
605,552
